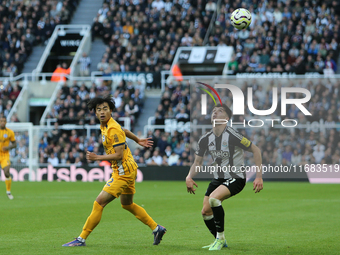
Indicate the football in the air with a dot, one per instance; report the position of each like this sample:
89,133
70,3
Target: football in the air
240,18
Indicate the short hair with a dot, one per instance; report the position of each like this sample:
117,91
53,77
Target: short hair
92,104
226,109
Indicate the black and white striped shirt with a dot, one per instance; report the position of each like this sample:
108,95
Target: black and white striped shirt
226,151
85,63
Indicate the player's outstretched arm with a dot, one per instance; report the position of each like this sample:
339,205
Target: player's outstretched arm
258,182
118,155
145,142
188,180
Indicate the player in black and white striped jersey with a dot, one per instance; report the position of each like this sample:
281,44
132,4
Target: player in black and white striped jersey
226,146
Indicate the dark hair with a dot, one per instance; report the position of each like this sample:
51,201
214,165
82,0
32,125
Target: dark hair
92,104
226,109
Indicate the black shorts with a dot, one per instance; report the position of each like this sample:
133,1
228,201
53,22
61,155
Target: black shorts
235,185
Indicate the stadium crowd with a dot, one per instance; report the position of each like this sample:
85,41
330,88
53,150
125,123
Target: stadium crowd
8,95
70,106
143,36
24,24
284,36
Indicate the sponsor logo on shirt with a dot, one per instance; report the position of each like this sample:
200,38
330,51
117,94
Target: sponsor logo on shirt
219,154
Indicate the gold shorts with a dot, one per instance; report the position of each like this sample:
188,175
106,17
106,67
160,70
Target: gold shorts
4,161
121,184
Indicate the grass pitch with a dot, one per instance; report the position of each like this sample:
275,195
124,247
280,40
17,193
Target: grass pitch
284,218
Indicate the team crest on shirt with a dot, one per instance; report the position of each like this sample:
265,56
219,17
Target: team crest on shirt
103,138
5,135
224,143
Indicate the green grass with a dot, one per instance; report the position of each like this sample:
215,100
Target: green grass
285,218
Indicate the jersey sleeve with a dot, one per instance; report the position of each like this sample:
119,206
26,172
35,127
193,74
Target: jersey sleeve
202,146
12,136
239,140
117,136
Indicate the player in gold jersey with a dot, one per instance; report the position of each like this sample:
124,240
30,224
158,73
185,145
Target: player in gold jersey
122,182
7,142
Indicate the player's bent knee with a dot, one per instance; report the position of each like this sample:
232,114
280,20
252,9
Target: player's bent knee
206,211
214,202
126,199
6,171
104,200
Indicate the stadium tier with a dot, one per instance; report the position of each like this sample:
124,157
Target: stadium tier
144,36
292,37
24,25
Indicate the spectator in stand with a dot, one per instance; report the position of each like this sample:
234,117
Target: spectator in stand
182,114
168,151
330,64
83,92
60,73
84,65
97,29
156,159
287,154
132,109
296,158
103,65
173,159
53,160
158,4
117,99
162,144
210,6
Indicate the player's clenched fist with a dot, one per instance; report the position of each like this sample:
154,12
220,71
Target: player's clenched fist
91,156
